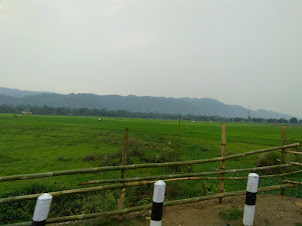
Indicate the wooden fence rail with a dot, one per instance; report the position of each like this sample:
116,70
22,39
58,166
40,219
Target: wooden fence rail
138,166
292,152
145,180
75,191
161,177
208,178
149,206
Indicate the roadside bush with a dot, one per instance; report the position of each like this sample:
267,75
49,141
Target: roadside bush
113,159
135,147
269,159
63,159
90,157
139,195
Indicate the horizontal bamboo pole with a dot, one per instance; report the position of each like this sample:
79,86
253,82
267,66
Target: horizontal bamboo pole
137,166
293,152
228,178
149,206
184,175
291,163
226,194
145,182
75,191
292,182
200,178
20,224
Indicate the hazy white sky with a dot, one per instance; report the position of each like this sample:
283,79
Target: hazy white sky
243,52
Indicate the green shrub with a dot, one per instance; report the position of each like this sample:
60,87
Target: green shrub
90,157
269,159
72,204
139,195
21,210
63,159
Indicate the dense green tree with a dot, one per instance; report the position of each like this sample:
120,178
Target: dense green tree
46,110
258,120
282,120
293,120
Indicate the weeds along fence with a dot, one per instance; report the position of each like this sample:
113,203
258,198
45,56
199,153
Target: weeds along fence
124,182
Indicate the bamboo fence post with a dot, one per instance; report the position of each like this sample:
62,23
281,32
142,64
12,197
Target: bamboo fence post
122,195
222,164
282,191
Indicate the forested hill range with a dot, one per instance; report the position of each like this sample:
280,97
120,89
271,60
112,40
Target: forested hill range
131,103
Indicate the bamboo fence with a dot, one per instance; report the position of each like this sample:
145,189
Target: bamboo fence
292,152
160,177
222,163
123,182
121,200
75,191
291,163
149,206
282,191
145,180
138,166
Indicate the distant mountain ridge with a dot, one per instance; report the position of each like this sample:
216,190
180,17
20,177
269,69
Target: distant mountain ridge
132,103
18,93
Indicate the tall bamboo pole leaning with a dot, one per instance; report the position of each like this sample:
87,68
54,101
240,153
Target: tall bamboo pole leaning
283,155
121,200
222,163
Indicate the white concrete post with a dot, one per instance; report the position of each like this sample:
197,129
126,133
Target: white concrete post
41,210
158,202
250,201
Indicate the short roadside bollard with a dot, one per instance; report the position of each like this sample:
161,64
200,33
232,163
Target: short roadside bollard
158,202
41,210
250,200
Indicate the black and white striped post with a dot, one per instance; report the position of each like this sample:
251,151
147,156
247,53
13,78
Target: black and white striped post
158,202
250,201
41,210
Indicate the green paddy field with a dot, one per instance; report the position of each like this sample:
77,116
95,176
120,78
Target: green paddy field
35,144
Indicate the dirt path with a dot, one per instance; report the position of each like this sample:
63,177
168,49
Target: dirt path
272,210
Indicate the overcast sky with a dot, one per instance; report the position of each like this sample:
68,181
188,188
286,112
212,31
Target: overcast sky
241,52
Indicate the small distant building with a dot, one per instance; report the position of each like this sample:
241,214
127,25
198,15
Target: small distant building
26,112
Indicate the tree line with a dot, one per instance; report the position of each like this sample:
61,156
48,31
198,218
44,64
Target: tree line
45,110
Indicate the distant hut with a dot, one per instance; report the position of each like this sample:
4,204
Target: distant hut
25,112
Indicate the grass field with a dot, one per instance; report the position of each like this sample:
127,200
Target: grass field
33,144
